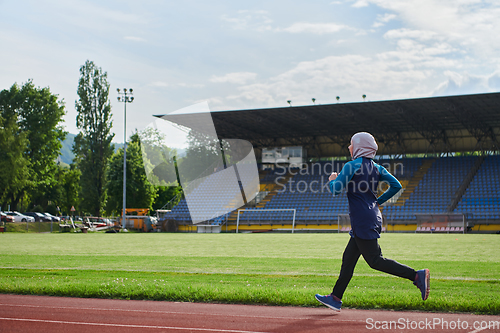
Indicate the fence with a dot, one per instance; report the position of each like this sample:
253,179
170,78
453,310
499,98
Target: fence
31,227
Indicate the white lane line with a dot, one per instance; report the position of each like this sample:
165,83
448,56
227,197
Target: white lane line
479,330
128,326
181,313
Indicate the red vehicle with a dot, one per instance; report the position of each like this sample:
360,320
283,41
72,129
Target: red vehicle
97,223
6,218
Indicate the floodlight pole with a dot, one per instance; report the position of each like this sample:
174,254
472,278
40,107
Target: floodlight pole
125,99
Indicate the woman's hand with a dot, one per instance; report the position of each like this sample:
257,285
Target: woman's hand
333,176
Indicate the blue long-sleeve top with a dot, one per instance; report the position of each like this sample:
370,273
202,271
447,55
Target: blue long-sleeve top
361,178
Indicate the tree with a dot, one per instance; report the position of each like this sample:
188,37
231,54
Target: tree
37,114
140,192
68,188
92,146
40,116
65,192
14,176
202,156
165,194
161,159
160,166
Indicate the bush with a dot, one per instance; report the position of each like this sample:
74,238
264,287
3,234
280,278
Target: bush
52,209
38,209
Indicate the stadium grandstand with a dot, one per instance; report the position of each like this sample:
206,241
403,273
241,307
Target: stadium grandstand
444,150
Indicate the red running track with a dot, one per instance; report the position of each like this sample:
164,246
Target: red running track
19,313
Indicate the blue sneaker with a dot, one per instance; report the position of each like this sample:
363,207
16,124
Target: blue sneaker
329,302
423,282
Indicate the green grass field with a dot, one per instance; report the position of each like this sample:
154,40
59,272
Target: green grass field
24,227
277,269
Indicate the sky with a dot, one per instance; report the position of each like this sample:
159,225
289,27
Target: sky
239,55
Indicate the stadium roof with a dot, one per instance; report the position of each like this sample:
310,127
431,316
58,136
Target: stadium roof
410,126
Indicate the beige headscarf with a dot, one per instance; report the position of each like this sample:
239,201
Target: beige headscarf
363,145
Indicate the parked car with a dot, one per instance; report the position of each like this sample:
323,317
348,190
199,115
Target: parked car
18,217
54,218
38,217
6,218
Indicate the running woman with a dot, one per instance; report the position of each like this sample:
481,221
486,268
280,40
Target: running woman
361,177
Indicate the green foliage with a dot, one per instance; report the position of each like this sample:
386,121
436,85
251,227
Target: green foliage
160,159
37,114
69,181
140,192
162,168
14,176
92,146
64,192
165,194
202,156
52,209
40,115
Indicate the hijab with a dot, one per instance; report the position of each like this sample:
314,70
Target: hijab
363,145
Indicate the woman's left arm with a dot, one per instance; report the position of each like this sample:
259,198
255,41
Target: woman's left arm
394,185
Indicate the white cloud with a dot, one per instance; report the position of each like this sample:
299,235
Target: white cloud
250,20
360,4
386,17
422,35
494,81
315,28
465,83
159,84
134,39
409,70
259,20
431,47
347,76
214,102
469,24
383,19
88,15
190,85
162,84
235,78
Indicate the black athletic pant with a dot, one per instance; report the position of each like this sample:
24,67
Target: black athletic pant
373,256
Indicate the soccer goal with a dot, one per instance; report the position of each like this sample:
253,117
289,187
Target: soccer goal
260,211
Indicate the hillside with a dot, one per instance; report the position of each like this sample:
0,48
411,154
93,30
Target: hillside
67,149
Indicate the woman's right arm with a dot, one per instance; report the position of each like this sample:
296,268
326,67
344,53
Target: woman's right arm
340,181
